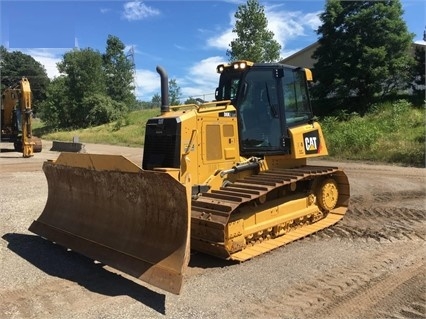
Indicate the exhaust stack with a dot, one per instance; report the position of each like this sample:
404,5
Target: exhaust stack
164,90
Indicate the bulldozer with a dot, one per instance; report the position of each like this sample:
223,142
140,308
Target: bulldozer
229,178
16,116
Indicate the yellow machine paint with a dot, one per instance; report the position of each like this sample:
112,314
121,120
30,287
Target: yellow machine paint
230,178
16,116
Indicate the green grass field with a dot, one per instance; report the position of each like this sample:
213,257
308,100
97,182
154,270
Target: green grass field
393,132
129,131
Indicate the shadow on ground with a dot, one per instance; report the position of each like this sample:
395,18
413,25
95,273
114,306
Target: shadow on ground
57,261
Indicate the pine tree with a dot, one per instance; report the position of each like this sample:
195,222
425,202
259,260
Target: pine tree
364,51
254,41
119,72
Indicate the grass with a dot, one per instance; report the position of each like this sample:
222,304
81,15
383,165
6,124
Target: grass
129,131
392,132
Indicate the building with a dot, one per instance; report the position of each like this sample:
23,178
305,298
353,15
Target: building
303,58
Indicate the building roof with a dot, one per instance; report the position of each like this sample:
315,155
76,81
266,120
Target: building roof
303,58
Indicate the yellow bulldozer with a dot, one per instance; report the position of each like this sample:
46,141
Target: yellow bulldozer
229,178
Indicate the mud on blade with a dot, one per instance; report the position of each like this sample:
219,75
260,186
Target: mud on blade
109,209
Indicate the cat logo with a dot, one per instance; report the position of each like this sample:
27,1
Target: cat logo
311,142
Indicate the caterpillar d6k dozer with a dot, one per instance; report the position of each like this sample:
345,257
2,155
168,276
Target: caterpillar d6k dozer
228,178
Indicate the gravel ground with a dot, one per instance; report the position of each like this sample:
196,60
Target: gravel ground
369,265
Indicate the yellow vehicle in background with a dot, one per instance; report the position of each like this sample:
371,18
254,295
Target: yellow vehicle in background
16,115
228,178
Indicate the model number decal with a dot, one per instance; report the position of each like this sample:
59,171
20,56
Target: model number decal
228,114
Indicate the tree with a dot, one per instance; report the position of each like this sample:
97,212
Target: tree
14,65
54,110
364,51
192,100
119,72
418,73
174,93
156,100
254,41
69,102
84,77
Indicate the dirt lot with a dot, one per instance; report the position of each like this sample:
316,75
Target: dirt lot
369,265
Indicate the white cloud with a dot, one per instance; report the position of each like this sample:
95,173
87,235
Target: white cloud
48,58
286,26
289,25
147,84
221,40
137,10
202,79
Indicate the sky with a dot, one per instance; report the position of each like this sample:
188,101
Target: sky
187,38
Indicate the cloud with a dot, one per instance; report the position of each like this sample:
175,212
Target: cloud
202,79
147,84
137,10
48,58
286,26
222,39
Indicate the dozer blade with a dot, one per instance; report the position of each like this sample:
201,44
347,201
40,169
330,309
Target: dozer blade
110,210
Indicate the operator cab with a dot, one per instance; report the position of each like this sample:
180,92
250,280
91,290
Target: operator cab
270,99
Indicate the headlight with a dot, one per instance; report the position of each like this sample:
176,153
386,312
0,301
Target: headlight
220,68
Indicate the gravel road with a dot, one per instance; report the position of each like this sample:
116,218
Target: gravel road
369,265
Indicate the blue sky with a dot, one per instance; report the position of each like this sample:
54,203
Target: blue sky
187,38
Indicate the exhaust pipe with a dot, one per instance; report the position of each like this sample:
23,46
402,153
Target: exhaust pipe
164,90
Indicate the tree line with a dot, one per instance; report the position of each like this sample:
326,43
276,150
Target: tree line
364,53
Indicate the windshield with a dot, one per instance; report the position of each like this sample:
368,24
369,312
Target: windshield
259,116
296,100
271,100
228,85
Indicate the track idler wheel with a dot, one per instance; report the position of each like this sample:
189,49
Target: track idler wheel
327,194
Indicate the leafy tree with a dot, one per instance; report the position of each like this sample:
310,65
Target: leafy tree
254,41
174,93
156,100
54,110
418,73
191,100
14,65
364,51
93,88
119,72
103,109
84,77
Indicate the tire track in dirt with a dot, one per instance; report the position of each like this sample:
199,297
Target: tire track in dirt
379,223
414,296
356,290
381,217
365,295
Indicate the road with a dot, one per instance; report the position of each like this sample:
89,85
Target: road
369,265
